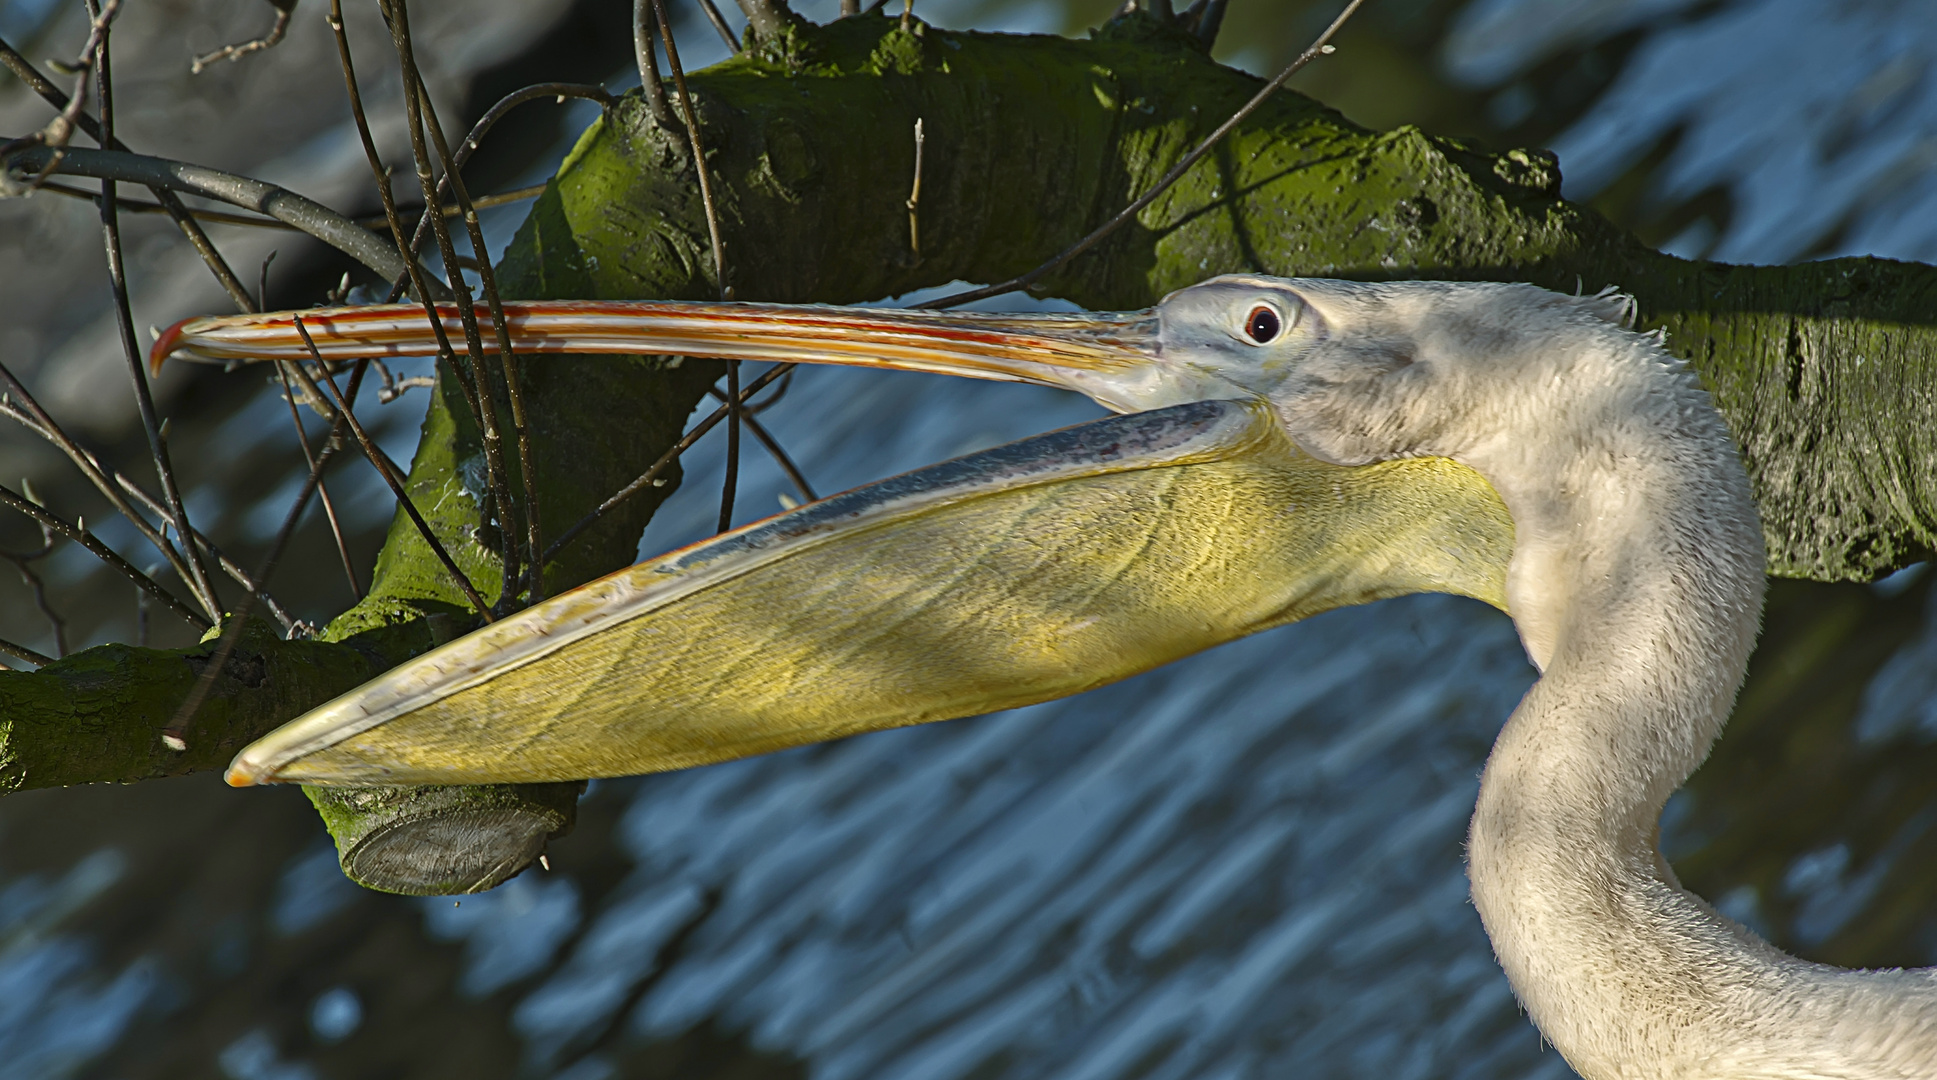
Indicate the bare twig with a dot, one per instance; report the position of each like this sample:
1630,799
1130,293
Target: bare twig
1204,19
1318,48
61,128
20,404
648,62
302,440
698,148
766,18
508,512
284,9
850,7
315,394
198,580
48,520
394,388
914,197
527,462
120,485
166,201
774,450
390,476
251,221
309,456
650,478
22,652
20,559
282,204
730,485
175,735
555,91
719,24
407,268
421,281
229,566
417,105
780,385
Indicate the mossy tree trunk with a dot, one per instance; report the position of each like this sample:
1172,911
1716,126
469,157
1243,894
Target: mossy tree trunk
1827,371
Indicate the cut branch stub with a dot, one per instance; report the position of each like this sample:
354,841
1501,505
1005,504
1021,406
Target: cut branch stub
444,841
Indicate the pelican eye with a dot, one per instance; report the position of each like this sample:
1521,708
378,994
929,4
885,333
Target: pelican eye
1262,325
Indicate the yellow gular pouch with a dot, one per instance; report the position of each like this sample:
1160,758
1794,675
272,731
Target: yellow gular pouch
1030,572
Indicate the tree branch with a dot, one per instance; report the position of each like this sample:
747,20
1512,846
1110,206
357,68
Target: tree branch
284,205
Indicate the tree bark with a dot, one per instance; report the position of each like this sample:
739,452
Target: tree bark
1827,372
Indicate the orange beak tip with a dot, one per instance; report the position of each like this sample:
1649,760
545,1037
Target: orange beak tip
165,344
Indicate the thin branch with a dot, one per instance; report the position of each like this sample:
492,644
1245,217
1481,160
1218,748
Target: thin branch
282,204
284,9
166,201
453,179
17,398
58,131
329,508
698,148
914,196
1204,19
229,566
651,476
420,280
49,520
648,63
416,104
394,388
175,735
317,398
774,450
20,559
1318,48
729,487
92,467
719,24
555,91
407,266
766,18
527,463
22,652
302,440
199,580
508,511
390,476
223,217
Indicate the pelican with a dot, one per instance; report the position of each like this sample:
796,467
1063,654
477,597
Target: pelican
1286,446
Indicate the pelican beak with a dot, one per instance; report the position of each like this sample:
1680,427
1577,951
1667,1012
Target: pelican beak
1086,352
1025,573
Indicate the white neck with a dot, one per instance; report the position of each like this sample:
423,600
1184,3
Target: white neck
1637,586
